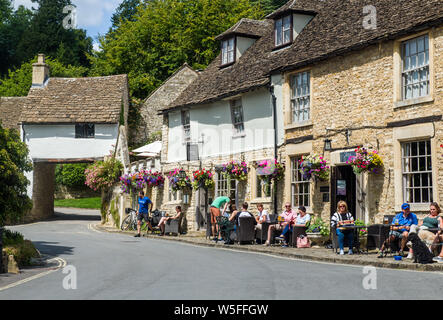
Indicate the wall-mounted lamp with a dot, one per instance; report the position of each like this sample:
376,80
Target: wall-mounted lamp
328,145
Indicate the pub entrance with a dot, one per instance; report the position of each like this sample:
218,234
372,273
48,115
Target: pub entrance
343,187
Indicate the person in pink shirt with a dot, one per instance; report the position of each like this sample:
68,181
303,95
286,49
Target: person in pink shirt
288,216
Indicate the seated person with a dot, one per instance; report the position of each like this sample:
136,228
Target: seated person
432,221
401,225
263,216
302,219
340,219
233,210
163,220
288,216
235,216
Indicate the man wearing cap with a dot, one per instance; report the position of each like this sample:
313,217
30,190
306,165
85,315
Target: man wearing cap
401,225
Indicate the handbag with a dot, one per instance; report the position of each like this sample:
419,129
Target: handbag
303,242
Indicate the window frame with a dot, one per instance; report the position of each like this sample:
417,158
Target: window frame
186,114
226,53
294,182
227,189
291,31
237,124
81,131
408,176
294,98
409,73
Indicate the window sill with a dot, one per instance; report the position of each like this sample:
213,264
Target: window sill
298,125
411,102
239,135
177,202
261,200
415,207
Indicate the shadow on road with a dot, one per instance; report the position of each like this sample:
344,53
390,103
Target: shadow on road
75,216
52,249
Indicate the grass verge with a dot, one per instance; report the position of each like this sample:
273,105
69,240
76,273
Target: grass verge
85,203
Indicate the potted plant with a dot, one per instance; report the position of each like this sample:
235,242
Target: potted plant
362,233
235,170
318,231
365,161
314,167
179,180
203,179
101,175
270,170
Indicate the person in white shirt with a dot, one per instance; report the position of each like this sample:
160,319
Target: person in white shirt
263,216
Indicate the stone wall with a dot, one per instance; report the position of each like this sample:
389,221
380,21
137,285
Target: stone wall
356,91
150,121
43,192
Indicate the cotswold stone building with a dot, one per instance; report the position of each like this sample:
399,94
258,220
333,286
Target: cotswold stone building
351,73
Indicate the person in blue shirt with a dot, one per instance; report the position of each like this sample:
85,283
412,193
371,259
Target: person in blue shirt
144,206
401,225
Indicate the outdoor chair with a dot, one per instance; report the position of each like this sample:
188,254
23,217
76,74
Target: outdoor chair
262,235
377,235
173,226
246,230
225,227
335,244
296,232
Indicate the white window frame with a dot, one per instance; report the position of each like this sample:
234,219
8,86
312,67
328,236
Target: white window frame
228,51
415,68
237,123
408,173
297,184
300,87
283,27
260,188
222,188
186,124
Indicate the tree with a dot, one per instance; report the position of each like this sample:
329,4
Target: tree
13,25
126,11
47,35
14,162
268,6
18,82
163,35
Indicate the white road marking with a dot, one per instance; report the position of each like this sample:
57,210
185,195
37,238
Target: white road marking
61,264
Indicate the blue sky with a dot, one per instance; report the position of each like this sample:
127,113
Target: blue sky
92,15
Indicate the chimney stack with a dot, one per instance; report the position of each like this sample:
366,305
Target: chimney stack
40,72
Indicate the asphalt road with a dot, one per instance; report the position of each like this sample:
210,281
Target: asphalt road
117,266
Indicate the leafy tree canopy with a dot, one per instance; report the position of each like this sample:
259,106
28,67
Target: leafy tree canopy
18,82
14,162
163,35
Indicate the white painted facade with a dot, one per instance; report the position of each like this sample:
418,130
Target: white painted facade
214,122
58,142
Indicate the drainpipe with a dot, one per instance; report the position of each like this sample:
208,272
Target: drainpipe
274,116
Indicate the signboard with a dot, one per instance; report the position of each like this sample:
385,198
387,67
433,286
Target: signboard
341,187
344,156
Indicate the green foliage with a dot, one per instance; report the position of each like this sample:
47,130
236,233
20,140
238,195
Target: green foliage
125,12
363,231
18,82
14,162
47,35
71,175
83,203
164,34
268,6
12,238
114,213
318,225
23,252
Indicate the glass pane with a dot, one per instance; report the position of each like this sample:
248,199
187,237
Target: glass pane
414,164
421,59
422,148
425,195
421,44
414,151
424,180
417,197
413,46
413,62
416,181
406,51
287,36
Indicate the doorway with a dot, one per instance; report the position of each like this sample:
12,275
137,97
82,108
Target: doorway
343,187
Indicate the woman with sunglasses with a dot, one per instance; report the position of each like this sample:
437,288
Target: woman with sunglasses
342,218
288,216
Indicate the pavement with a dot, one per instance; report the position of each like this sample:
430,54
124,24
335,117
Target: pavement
317,253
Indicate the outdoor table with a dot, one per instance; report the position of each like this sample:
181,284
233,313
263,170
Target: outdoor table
356,234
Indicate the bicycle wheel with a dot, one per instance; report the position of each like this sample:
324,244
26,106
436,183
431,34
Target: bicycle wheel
127,222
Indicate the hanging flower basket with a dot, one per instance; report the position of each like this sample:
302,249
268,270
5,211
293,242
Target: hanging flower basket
203,179
153,179
235,170
177,182
365,161
314,167
132,183
270,170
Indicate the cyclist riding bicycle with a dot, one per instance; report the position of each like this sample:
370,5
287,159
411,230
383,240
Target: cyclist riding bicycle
143,211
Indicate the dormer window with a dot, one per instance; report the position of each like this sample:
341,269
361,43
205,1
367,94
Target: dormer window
228,51
283,31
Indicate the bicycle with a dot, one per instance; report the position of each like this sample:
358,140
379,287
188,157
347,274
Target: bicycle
130,222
